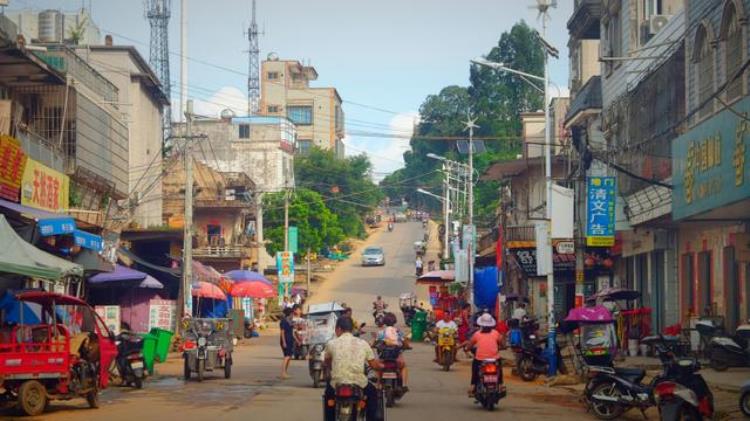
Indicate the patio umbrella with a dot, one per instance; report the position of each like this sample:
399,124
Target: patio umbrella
617,294
253,289
437,276
246,275
207,290
595,314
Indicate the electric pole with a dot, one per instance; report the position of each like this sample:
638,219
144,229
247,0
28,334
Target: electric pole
446,212
187,241
470,124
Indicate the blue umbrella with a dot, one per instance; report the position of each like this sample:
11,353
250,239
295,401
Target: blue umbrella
246,276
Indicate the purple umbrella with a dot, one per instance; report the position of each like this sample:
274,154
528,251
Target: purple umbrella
595,314
246,276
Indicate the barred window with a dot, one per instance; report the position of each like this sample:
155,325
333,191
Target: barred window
732,52
704,68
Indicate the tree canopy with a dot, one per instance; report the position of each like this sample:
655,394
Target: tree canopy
496,99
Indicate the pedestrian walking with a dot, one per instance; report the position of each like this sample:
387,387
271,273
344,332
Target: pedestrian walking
287,340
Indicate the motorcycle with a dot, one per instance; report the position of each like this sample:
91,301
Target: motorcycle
350,403
490,388
611,391
730,351
745,399
315,364
446,342
390,226
531,358
208,346
390,377
686,395
128,365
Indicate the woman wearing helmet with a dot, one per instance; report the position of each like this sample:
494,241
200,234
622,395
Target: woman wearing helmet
486,343
391,336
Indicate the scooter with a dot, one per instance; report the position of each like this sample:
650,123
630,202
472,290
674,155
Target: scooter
686,396
390,377
730,351
390,226
350,403
446,342
490,388
531,359
315,362
128,365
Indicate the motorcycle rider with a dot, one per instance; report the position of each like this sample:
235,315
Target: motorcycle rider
445,323
390,335
487,343
346,357
419,265
378,306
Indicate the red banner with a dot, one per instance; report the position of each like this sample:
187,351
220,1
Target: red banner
12,163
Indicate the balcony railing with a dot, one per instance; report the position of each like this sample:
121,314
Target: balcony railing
221,251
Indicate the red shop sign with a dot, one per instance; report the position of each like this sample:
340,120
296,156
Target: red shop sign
12,163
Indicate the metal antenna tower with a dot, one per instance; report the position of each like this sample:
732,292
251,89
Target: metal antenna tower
158,13
253,76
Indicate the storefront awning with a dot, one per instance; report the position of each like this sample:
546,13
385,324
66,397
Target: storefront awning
92,262
49,223
87,240
126,274
21,258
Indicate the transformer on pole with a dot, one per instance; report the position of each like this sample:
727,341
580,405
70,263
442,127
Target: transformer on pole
158,13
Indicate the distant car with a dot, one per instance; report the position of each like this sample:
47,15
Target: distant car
400,217
373,256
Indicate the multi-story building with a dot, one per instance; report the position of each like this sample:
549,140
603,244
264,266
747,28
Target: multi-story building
55,26
316,112
142,102
711,163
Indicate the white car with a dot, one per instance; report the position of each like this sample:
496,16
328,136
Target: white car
373,256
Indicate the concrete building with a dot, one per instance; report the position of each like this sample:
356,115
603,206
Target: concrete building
55,26
142,102
316,112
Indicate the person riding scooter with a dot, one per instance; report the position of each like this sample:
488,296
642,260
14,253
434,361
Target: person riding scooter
390,336
449,324
486,342
390,226
378,307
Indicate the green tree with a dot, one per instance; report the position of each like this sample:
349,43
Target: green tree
317,226
344,184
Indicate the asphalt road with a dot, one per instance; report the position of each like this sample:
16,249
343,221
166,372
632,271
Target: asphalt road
256,392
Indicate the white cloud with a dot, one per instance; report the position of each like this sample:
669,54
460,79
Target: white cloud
386,154
226,97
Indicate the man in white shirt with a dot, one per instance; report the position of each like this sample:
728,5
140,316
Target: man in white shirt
445,323
520,312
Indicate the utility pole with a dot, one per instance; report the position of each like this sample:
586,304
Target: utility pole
309,275
470,124
187,240
446,212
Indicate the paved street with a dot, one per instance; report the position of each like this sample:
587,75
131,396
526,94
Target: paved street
255,391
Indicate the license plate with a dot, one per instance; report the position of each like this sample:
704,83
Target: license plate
490,379
390,375
136,365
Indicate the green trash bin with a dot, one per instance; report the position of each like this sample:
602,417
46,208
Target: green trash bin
163,340
149,351
418,326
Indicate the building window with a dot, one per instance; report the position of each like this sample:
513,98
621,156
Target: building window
300,115
304,146
732,37
273,75
688,289
704,70
244,131
273,108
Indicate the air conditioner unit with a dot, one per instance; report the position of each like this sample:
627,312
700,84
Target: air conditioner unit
656,22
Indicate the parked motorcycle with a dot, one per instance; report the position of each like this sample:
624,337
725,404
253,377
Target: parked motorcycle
128,365
315,362
490,388
745,399
446,342
730,351
531,358
685,395
611,391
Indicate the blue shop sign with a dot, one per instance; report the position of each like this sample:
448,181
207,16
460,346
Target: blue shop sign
600,211
56,226
710,163
87,240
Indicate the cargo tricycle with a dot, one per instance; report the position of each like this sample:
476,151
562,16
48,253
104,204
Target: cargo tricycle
208,346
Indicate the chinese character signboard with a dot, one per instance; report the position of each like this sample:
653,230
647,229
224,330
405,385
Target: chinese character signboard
285,266
711,163
161,314
12,162
293,235
111,317
600,212
44,188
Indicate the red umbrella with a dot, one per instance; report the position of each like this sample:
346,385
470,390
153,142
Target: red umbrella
206,290
252,289
437,277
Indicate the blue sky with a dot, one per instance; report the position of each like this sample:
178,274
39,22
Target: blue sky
388,54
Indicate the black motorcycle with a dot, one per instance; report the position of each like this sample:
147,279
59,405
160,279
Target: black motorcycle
390,377
490,388
611,391
128,365
686,395
531,357
730,351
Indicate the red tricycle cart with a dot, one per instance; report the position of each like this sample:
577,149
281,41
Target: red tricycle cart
63,352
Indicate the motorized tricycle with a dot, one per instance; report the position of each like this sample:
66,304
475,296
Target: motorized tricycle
59,349
208,346
321,324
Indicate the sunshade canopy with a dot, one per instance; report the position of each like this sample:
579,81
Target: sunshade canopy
246,275
253,289
207,290
21,258
437,276
331,307
595,314
124,274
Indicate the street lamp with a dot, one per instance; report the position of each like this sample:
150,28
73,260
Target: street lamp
551,339
423,191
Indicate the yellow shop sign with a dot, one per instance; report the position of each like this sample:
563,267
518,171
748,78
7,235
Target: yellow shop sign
44,188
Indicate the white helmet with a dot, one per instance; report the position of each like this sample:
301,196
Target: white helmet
486,320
